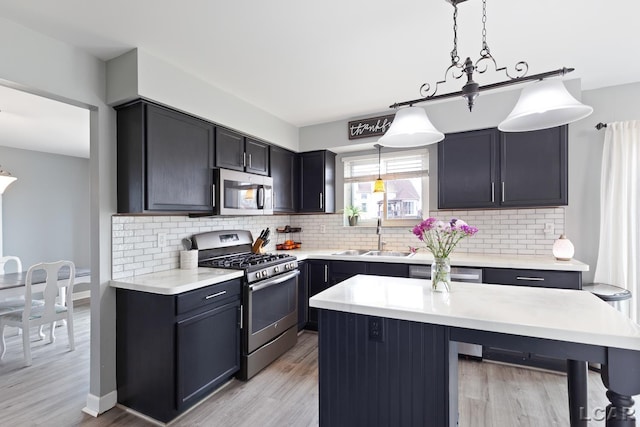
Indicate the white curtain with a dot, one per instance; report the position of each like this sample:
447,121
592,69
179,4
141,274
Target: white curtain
618,262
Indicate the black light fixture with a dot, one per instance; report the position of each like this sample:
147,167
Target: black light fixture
378,186
544,104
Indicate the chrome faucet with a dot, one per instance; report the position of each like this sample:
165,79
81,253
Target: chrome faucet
379,233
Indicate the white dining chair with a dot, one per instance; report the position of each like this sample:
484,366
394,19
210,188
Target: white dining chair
10,260
13,304
42,312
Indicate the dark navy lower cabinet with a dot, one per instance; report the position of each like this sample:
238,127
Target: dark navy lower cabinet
385,372
174,350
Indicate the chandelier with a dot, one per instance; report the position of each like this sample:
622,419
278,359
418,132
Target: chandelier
543,104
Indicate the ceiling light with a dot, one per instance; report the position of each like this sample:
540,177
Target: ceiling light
553,115
544,104
5,179
378,186
411,128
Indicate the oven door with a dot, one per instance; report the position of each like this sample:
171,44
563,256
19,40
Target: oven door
240,193
271,309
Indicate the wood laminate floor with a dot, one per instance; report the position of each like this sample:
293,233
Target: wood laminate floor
53,391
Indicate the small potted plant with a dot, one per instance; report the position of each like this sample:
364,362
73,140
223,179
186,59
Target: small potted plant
352,212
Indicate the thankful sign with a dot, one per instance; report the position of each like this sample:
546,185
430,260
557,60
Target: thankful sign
374,126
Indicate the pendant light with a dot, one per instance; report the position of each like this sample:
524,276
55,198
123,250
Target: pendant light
544,104
553,105
5,179
411,128
378,186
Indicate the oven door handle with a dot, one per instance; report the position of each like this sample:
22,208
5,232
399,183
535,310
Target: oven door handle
274,281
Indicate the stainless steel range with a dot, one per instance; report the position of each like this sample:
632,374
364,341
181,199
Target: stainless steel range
269,296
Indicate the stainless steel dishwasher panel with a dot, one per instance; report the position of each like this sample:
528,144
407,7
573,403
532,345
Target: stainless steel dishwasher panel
458,274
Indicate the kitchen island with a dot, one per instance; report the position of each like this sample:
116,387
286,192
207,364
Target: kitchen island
387,347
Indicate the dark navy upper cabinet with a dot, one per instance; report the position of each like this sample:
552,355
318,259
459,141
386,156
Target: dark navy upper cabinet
286,180
164,160
317,183
467,170
237,152
492,169
533,168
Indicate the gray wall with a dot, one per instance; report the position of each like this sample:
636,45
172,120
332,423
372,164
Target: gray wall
46,211
45,66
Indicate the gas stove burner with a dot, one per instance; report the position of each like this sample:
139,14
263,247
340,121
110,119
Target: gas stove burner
232,249
245,261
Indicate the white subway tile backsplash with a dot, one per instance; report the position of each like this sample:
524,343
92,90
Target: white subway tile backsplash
509,231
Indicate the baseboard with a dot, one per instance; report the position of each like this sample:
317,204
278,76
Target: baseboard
96,405
81,295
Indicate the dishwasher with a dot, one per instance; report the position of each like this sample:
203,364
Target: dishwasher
458,274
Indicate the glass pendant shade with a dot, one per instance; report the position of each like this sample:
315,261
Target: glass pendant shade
5,179
411,128
378,186
544,104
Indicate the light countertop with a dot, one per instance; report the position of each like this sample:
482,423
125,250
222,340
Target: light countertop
531,262
559,314
172,282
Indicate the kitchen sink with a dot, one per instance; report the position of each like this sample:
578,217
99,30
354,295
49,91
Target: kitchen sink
352,252
389,253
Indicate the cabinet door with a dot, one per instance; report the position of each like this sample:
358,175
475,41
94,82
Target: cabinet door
285,174
303,296
208,352
257,156
229,150
179,160
467,170
342,270
388,269
317,181
533,168
318,276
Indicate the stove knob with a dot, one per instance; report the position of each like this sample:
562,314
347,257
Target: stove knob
258,275
276,269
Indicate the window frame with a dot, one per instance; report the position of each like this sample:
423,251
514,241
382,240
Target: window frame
423,174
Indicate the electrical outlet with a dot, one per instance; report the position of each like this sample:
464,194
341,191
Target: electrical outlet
549,228
323,228
376,332
162,240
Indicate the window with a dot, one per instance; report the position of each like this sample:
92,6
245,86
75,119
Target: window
406,181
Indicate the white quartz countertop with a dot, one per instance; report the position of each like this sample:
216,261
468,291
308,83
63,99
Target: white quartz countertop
172,282
530,262
558,314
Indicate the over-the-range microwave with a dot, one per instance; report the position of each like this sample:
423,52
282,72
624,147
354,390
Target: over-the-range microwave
240,193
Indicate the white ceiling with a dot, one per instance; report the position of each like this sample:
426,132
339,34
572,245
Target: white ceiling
313,62
32,122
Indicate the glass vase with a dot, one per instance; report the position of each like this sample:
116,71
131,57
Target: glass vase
441,275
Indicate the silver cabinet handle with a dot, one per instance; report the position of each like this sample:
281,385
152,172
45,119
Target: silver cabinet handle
244,160
503,191
465,276
493,192
241,308
249,161
273,196
213,195
531,279
217,294
326,273
321,201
